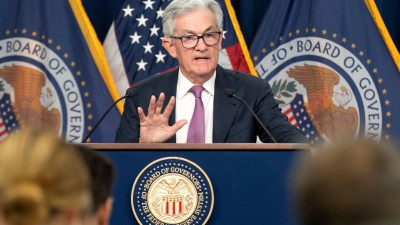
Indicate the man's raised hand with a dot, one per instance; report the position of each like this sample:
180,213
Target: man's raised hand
154,127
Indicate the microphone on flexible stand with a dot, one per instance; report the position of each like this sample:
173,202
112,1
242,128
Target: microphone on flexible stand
130,93
228,92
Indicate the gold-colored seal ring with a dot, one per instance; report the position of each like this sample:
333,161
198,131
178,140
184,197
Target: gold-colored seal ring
172,190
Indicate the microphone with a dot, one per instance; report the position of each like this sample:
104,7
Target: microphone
130,93
228,92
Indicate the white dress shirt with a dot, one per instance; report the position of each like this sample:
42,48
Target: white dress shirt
184,106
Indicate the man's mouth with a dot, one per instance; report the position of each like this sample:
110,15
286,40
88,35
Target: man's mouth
200,58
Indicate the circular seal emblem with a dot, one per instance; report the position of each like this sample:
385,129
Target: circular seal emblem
172,190
38,88
325,89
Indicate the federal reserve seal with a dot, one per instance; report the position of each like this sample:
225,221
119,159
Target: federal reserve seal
38,89
325,87
172,190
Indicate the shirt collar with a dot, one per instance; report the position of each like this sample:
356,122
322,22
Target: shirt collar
184,85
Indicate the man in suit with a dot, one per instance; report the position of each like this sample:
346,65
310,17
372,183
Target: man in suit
193,35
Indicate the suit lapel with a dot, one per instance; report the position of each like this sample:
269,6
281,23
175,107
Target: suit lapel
225,108
168,86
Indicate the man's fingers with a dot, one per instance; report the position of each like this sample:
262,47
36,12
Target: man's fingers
179,124
169,107
159,103
152,106
142,117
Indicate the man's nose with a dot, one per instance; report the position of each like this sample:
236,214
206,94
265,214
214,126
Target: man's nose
201,45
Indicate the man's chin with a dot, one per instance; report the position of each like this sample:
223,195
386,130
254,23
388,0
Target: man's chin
204,70
204,73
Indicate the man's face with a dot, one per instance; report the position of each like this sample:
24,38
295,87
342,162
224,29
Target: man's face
200,62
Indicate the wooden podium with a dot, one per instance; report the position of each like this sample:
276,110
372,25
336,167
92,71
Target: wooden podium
250,181
205,147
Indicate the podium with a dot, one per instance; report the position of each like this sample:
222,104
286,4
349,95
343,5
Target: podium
250,181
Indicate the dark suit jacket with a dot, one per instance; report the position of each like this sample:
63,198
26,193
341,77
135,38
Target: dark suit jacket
233,122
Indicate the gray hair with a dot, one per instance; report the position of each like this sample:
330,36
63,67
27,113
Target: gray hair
180,7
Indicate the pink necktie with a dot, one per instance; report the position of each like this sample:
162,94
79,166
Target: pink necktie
196,126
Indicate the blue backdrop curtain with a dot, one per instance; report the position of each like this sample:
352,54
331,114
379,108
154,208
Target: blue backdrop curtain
248,12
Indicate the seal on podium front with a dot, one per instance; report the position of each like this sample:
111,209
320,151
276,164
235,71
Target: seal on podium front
172,190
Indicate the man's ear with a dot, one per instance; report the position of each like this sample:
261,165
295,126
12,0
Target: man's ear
104,212
169,46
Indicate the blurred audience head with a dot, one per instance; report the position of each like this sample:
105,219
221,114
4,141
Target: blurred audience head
356,182
42,181
102,172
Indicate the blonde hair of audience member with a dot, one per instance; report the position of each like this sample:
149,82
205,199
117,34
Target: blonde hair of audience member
356,182
42,181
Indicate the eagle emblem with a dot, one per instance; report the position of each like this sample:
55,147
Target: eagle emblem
328,110
172,190
31,99
172,197
174,187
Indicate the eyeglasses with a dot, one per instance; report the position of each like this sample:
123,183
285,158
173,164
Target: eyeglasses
191,41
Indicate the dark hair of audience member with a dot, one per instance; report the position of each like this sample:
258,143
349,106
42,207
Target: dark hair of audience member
102,172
